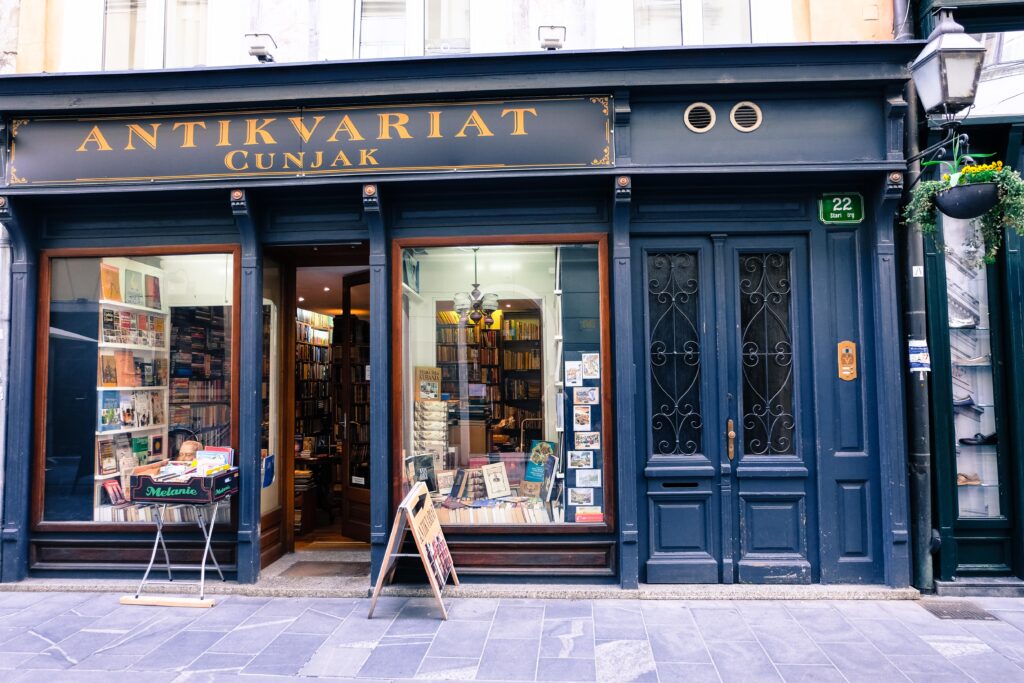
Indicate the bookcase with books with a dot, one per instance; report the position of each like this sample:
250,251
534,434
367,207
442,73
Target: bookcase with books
469,358
521,372
200,385
132,381
351,384
313,395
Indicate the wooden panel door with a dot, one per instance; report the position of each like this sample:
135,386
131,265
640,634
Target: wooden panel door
354,408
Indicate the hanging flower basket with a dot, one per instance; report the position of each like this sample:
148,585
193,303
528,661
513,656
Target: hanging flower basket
967,201
992,194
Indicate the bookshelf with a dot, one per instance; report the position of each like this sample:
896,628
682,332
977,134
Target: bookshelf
200,383
133,356
313,398
522,373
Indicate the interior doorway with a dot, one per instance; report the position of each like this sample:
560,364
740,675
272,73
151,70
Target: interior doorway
316,501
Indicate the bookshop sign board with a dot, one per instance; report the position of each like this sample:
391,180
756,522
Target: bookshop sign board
416,515
565,132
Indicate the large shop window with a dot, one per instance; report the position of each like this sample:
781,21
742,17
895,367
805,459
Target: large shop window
504,383
138,370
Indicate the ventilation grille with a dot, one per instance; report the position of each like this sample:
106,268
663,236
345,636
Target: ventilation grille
957,609
746,117
699,117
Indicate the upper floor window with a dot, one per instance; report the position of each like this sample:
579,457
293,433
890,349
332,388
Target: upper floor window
1002,48
691,22
151,34
447,26
382,28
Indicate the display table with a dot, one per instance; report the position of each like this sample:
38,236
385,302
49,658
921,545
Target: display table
204,496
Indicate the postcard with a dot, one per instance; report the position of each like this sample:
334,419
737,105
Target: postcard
581,459
573,373
588,441
591,365
581,418
591,478
581,496
586,395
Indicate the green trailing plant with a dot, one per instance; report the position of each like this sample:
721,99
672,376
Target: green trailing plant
1008,212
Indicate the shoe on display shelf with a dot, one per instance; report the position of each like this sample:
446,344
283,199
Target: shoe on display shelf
963,401
980,440
973,362
971,479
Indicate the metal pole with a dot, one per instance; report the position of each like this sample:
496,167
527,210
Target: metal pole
916,324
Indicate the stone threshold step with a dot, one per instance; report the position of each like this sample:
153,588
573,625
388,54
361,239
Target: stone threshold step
981,587
323,589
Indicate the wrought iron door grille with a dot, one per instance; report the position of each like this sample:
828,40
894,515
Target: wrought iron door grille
766,349
673,290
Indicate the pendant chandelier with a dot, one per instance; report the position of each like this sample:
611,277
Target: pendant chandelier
475,306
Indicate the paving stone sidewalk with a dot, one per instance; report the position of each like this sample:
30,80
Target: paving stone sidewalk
55,637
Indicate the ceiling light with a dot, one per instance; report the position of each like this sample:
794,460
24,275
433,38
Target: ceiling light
301,299
327,289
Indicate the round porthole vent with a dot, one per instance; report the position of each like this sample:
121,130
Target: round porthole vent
699,117
746,117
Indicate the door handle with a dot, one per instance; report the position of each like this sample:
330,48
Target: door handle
730,434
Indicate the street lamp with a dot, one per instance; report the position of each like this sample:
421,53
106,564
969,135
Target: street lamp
947,71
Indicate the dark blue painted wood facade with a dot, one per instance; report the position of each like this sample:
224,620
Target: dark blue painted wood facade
832,122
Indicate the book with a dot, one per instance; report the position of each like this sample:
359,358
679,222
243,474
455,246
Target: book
156,447
423,470
140,449
106,463
110,282
458,484
428,383
156,407
108,371
533,479
124,368
152,291
110,411
134,289
141,407
114,492
550,476
496,480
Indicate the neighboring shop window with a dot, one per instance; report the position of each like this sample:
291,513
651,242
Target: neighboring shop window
447,24
382,28
503,383
138,371
970,346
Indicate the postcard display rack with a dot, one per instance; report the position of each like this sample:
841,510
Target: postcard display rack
132,384
584,484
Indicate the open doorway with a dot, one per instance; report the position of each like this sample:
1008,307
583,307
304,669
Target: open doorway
316,502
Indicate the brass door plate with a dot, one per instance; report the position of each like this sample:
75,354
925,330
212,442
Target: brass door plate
847,352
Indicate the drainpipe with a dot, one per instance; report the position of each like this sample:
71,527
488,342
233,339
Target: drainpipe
5,324
916,324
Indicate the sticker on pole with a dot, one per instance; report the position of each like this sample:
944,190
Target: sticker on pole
841,208
920,359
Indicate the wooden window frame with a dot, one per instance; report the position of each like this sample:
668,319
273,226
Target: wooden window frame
38,473
607,408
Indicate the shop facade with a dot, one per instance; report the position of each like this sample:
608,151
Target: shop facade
658,289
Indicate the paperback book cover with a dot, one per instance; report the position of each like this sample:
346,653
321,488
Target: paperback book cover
110,411
140,449
134,289
533,479
496,480
108,371
127,405
152,291
106,462
156,411
110,282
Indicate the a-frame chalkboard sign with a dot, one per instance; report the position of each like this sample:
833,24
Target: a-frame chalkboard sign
417,516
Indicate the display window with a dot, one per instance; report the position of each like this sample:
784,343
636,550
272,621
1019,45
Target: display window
505,387
979,489
135,368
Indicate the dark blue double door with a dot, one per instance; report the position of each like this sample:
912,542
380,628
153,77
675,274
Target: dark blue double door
727,431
